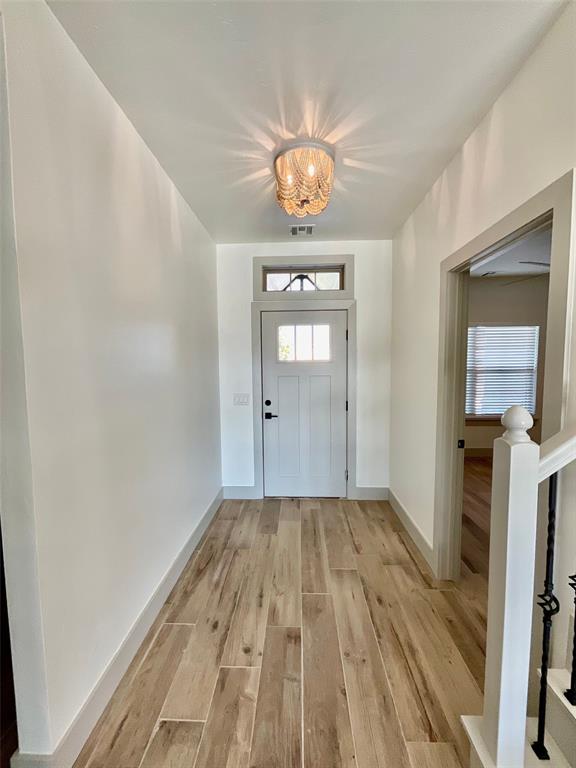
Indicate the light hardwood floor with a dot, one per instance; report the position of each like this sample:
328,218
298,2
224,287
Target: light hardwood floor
476,514
302,633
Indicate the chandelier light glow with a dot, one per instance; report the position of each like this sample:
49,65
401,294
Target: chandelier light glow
304,178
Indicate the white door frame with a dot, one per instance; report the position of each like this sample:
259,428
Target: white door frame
557,201
258,307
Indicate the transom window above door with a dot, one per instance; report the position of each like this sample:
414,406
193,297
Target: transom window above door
303,343
303,279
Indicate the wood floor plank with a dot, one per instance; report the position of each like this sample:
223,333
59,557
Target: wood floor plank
441,678
375,725
452,684
270,516
286,593
205,572
372,534
174,745
477,489
277,741
433,755
193,684
466,628
474,589
327,730
246,525
124,740
228,730
383,511
389,653
290,511
230,509
339,543
475,553
315,573
418,561
420,717
115,709
245,643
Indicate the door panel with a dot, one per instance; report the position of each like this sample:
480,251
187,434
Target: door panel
288,426
320,425
304,376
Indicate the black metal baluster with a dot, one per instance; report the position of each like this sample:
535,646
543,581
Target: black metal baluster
570,693
550,607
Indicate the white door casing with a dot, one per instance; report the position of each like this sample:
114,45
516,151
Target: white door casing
304,380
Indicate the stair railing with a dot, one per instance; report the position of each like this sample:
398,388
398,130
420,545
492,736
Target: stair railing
570,693
519,466
550,606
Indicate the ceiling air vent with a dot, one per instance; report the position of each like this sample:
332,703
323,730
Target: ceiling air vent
302,230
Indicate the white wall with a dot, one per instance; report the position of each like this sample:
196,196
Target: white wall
525,142
16,504
117,287
373,264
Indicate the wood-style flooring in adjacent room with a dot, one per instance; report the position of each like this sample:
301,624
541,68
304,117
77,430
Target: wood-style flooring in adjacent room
302,633
476,515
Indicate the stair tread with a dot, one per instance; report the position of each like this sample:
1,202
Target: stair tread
473,725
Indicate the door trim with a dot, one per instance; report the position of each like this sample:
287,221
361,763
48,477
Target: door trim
258,307
555,201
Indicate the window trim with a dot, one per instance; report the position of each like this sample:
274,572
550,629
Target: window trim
262,264
338,268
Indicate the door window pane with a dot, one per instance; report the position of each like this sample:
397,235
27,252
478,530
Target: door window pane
286,343
321,343
303,343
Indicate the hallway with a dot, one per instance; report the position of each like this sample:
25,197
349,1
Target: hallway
302,632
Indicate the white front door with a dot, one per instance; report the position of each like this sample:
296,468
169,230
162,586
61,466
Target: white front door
304,382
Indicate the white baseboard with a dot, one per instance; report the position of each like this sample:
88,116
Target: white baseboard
73,740
241,492
413,530
367,493
356,492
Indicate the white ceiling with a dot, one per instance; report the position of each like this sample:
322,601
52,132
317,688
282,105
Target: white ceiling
214,88
528,255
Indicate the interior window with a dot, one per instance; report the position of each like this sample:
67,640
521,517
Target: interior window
502,366
303,343
306,279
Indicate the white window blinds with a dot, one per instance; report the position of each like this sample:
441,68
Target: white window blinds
501,367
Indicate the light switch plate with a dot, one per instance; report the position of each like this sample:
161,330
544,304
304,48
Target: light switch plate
241,398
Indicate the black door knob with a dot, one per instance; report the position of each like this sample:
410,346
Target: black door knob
269,415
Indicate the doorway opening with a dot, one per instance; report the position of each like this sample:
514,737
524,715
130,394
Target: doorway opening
552,207
505,336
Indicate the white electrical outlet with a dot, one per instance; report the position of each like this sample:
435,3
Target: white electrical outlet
241,398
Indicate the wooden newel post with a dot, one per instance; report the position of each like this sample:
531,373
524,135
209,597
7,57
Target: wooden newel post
501,732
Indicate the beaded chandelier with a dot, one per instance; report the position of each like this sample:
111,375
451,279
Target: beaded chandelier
304,178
